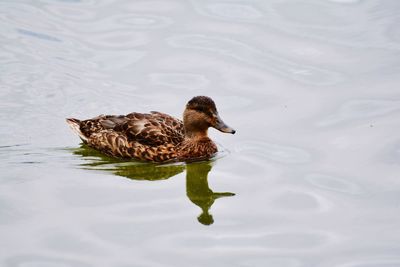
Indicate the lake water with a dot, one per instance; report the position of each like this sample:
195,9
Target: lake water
312,177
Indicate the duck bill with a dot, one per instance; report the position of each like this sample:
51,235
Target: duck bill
221,126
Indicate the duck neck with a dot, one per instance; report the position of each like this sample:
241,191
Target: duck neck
197,134
195,125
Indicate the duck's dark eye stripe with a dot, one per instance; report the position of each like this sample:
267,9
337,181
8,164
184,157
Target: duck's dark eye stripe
204,110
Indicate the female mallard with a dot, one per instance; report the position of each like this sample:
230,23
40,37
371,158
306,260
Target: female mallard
156,136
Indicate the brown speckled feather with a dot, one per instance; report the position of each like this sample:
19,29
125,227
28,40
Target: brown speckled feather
116,144
150,137
152,129
203,148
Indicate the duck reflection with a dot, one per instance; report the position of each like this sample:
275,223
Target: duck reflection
197,188
199,192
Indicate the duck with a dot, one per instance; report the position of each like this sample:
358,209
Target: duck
155,136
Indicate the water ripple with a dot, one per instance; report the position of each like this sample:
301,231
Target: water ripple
371,263
36,260
116,60
250,55
299,13
271,241
345,1
143,21
335,184
10,9
42,36
234,11
10,211
71,13
274,152
125,22
187,81
117,39
361,109
392,153
259,60
298,200
270,261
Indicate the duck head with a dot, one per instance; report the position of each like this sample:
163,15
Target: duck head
200,114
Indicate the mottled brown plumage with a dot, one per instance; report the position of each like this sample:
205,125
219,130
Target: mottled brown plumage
155,136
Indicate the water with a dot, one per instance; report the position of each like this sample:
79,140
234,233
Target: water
310,179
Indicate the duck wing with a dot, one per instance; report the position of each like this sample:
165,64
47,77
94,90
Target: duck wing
145,136
86,128
152,129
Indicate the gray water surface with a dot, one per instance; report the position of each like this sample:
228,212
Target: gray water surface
312,177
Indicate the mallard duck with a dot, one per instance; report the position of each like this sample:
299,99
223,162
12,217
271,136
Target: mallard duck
155,136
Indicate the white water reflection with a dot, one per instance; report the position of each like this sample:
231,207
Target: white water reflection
299,201
244,53
179,80
36,260
336,184
234,11
275,152
361,109
310,86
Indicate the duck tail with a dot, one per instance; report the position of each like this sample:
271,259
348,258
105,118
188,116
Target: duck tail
75,126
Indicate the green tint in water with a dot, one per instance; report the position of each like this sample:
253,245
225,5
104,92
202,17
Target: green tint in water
199,192
197,188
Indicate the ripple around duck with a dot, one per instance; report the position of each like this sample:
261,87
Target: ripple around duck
252,56
179,80
361,109
36,260
273,152
20,154
335,184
